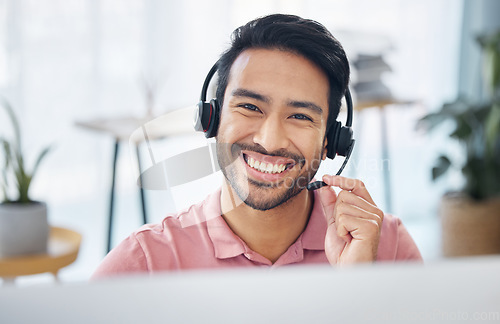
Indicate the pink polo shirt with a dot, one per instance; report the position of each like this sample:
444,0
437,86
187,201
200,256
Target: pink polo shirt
199,238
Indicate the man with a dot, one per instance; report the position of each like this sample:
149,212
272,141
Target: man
280,86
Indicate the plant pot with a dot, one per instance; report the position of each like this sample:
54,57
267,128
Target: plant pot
470,227
24,229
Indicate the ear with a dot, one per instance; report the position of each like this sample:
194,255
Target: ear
325,145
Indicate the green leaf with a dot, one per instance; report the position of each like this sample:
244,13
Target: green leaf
23,193
4,185
7,152
14,161
15,123
39,159
20,162
492,129
430,121
490,44
463,129
7,163
457,107
495,70
449,112
442,165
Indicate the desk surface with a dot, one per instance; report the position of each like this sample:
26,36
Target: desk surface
136,129
63,248
380,103
463,290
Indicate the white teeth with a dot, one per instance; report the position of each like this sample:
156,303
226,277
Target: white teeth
256,164
266,167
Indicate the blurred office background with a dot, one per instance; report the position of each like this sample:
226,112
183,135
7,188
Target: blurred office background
67,61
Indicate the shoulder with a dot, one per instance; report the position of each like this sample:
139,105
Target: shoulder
395,241
391,224
156,246
196,216
172,229
179,231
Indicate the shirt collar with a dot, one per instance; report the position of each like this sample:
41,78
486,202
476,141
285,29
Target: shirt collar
313,237
227,244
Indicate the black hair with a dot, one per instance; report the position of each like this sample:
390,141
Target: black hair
297,35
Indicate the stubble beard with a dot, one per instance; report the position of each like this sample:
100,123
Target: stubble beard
258,195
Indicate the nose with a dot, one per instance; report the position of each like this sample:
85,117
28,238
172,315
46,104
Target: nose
271,134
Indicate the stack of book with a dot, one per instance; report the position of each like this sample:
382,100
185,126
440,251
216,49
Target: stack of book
366,56
368,84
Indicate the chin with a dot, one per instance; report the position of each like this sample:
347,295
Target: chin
277,200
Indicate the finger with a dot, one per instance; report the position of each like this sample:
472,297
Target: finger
349,228
349,198
362,237
328,198
354,185
355,211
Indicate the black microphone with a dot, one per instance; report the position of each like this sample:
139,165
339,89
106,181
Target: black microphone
320,184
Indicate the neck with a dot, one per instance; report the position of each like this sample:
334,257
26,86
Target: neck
269,233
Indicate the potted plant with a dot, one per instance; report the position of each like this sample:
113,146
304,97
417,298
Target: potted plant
24,227
471,218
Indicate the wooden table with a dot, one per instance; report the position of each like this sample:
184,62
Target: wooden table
63,248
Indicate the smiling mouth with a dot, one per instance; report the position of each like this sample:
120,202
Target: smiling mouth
266,167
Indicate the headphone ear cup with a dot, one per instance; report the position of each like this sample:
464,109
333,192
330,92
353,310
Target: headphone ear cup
332,140
213,123
202,115
345,141
198,121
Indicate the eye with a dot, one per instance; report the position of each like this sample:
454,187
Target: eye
249,107
301,117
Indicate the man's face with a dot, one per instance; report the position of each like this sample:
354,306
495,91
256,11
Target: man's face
270,140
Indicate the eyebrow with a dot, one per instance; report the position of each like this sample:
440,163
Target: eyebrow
250,94
306,104
240,92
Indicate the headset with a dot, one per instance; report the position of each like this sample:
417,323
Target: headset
340,138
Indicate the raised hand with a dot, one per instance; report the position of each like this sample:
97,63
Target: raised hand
354,221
